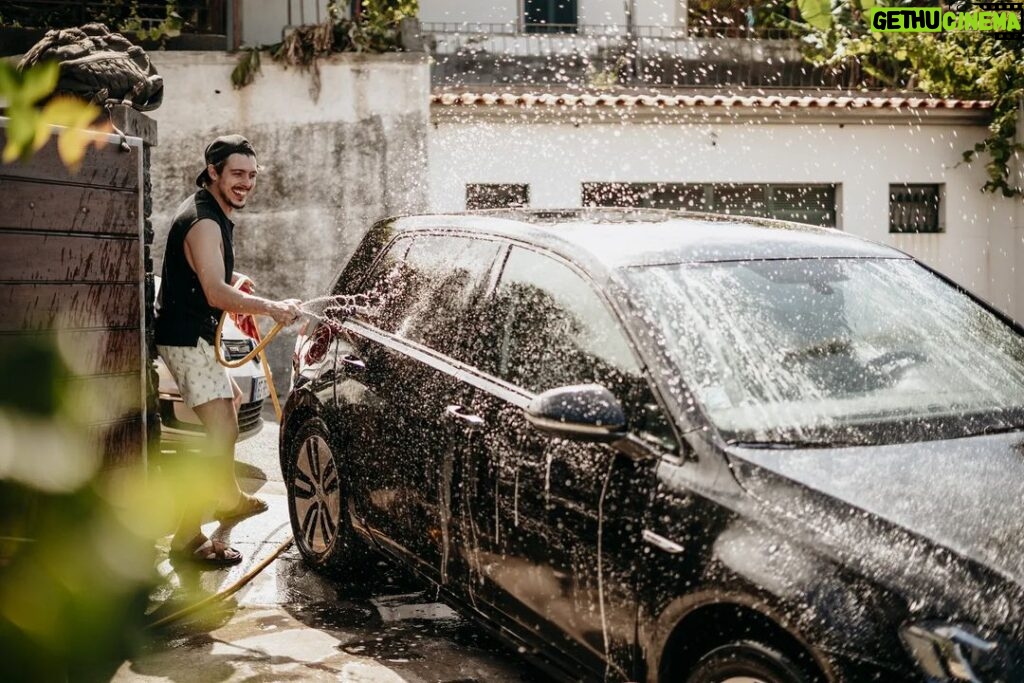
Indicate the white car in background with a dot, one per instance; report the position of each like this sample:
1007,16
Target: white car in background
180,424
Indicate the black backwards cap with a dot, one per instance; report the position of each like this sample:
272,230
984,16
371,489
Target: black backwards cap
220,149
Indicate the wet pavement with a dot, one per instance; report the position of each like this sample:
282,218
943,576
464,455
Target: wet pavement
290,623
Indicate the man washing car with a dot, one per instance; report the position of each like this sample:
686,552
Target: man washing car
198,274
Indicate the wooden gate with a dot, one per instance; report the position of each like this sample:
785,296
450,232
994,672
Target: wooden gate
72,270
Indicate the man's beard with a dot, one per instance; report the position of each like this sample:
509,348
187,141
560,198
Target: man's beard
228,195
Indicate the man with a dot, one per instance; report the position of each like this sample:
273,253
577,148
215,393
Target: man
198,274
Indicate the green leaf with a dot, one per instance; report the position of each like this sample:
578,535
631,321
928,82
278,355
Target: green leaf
39,81
817,13
10,80
21,131
75,115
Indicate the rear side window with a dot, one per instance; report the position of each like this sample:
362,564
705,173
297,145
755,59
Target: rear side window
549,328
389,286
429,295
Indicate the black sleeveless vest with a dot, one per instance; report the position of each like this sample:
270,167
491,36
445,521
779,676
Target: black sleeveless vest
183,315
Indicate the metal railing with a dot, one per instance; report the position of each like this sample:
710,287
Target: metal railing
652,31
198,16
507,54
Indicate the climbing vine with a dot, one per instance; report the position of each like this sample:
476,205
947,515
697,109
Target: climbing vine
965,64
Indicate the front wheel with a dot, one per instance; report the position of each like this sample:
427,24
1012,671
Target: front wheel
746,662
317,501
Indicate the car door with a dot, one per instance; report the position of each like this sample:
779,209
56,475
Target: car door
407,477
361,372
551,527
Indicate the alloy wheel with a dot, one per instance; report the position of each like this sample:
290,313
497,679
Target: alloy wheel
317,495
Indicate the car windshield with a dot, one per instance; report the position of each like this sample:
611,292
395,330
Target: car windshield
833,351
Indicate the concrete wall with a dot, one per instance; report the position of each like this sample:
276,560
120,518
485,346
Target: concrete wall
331,166
862,159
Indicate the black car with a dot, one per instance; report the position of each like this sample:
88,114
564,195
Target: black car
673,447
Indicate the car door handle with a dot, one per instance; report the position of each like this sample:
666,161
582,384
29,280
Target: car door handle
457,412
352,362
661,543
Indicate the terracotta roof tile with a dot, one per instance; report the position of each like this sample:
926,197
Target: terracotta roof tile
588,100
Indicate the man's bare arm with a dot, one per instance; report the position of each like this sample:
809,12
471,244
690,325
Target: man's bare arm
204,252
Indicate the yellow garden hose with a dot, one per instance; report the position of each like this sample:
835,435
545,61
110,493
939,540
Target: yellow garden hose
259,350
224,594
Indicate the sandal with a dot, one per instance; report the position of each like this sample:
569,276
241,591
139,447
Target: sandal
247,507
206,552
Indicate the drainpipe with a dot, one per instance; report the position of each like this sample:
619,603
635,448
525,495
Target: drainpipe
632,44
234,24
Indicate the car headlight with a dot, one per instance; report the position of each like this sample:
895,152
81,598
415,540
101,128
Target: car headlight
947,652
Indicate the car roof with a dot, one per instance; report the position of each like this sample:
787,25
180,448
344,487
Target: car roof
617,238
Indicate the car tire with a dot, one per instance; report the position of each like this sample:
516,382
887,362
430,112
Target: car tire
318,502
746,662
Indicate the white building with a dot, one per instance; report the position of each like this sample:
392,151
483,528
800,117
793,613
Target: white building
884,168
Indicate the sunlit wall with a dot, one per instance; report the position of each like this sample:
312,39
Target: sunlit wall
860,155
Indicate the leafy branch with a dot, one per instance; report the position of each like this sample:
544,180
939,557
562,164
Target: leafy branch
961,64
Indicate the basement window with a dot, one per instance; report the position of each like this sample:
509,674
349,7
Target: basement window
497,196
549,16
813,204
915,208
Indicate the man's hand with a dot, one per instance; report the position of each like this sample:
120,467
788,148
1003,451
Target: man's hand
286,312
243,283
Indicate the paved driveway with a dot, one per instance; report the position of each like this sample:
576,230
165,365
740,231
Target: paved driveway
291,624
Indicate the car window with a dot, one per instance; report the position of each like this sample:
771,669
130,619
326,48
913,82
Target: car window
449,273
389,287
549,328
426,293
834,350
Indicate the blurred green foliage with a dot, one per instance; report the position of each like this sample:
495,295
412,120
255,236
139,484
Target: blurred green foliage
31,375
74,578
31,112
73,596
77,542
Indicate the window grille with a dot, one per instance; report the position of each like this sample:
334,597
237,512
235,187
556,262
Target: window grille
497,196
814,204
915,208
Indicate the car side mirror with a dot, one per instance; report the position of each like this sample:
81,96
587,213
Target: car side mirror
583,412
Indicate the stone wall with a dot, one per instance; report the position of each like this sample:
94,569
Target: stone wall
333,162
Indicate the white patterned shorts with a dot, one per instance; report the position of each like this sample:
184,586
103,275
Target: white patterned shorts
200,377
